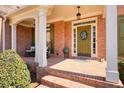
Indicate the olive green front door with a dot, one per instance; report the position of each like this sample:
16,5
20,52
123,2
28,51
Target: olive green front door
121,36
84,40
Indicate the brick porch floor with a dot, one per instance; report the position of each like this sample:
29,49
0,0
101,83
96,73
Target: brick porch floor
86,66
89,67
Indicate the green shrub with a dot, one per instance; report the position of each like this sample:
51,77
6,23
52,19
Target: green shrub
121,70
13,71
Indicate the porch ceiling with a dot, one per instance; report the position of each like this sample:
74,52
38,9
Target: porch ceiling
68,12
28,22
54,12
6,9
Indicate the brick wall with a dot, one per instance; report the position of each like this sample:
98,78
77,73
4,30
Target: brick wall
7,35
120,9
24,38
101,38
68,36
62,30
59,42
61,26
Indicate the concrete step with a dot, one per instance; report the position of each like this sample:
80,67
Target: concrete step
58,82
42,86
34,84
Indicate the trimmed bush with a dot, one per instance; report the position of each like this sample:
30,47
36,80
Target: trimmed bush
121,70
13,71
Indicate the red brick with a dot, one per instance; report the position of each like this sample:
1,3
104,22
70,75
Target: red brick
7,35
68,36
120,9
101,38
59,38
24,38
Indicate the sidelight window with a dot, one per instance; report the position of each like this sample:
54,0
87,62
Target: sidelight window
94,39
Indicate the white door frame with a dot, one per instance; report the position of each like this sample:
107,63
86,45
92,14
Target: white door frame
89,21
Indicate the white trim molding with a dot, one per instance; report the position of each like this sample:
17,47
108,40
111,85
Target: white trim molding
26,25
55,20
89,21
73,18
13,36
3,26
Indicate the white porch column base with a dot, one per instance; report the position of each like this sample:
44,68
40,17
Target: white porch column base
42,60
13,36
112,74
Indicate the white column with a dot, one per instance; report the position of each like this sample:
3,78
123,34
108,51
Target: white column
42,60
13,36
112,74
36,38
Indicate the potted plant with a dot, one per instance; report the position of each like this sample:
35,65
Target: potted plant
66,52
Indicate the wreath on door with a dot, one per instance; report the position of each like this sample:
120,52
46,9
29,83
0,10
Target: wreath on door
83,35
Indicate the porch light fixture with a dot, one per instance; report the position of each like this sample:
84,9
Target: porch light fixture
78,14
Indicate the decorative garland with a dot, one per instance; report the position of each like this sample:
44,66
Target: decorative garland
83,35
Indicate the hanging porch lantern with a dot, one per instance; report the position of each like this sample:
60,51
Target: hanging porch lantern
78,14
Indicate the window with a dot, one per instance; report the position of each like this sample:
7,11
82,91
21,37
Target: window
74,34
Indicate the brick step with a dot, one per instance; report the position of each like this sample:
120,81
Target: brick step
82,78
57,82
61,73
